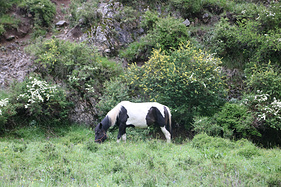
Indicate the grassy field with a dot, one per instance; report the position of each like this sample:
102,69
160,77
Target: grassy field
72,158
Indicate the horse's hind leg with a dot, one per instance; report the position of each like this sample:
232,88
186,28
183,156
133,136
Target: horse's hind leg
167,134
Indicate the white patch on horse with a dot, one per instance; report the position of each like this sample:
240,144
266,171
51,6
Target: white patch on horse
167,134
124,137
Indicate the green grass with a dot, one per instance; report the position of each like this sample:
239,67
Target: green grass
74,159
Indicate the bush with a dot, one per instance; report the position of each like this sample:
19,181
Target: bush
207,125
187,8
77,65
188,80
84,12
255,37
167,33
264,95
7,21
43,11
115,91
34,102
203,141
265,79
149,21
236,121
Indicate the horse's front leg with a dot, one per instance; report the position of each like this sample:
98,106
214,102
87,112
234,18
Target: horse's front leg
122,133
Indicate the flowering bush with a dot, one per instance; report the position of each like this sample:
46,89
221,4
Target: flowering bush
265,79
6,110
42,102
268,111
188,80
3,103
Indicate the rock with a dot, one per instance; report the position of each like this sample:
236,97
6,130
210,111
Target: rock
186,22
61,23
14,65
10,37
205,17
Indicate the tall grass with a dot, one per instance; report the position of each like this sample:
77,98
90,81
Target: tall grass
74,159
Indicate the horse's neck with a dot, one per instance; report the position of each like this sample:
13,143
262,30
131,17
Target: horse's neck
106,123
113,114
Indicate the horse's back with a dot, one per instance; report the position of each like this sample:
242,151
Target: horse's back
137,112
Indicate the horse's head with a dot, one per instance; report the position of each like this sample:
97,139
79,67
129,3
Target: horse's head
100,133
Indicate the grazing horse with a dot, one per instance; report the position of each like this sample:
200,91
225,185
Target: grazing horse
139,115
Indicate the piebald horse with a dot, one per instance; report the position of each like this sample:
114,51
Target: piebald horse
141,115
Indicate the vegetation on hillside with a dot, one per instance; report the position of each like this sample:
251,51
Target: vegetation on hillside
186,67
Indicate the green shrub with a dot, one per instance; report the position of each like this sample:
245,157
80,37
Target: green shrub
207,125
271,17
187,8
203,141
76,64
255,37
150,19
114,92
236,121
84,12
247,149
6,5
43,11
7,110
188,80
2,29
167,33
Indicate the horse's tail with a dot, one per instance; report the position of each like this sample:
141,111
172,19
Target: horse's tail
168,117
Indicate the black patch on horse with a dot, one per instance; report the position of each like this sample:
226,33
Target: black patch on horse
121,121
154,116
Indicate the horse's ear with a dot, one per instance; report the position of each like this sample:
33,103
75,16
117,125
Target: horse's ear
100,126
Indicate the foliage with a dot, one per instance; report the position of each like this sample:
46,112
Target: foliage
236,121
6,5
43,11
265,79
271,17
267,110
7,21
207,125
115,91
84,12
233,121
252,38
34,102
2,29
167,33
188,80
150,19
127,16
43,102
74,159
76,64
187,7
264,95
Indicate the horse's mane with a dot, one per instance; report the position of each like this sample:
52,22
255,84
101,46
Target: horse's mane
113,113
